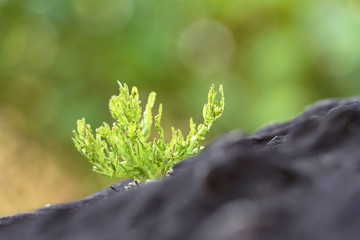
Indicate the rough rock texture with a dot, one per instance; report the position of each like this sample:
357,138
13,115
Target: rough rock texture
295,180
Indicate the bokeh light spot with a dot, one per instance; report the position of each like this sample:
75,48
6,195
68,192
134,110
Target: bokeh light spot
14,46
355,8
39,6
104,17
32,46
206,47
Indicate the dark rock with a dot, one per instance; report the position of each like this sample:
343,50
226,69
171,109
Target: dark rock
294,180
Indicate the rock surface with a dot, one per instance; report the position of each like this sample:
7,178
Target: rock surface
295,180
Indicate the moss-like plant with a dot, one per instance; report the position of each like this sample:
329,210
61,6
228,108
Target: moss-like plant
124,150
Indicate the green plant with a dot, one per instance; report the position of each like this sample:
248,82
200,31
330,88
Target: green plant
124,149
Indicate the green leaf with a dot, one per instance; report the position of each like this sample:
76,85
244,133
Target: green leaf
123,149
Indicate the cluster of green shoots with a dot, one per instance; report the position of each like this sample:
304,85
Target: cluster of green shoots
123,150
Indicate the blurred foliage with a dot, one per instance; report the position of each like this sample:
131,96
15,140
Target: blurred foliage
59,61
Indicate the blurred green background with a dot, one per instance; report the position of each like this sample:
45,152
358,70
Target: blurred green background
59,61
